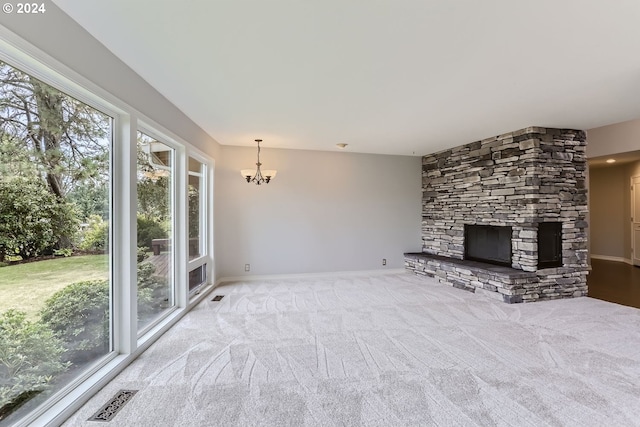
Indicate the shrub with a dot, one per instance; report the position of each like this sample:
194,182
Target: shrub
151,290
29,359
148,230
142,253
33,220
66,252
96,235
79,315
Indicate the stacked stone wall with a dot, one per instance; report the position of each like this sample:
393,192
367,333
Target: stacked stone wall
518,179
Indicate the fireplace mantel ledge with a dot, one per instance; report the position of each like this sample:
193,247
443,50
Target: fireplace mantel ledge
475,266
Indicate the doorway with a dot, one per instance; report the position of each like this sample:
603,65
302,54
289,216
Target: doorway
614,207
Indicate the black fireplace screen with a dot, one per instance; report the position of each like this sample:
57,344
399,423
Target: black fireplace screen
549,244
488,243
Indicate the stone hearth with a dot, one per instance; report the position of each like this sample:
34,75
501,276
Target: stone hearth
519,180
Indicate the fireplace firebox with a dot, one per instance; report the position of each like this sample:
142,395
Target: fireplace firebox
549,244
488,243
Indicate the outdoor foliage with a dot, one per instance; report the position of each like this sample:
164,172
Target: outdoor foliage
65,139
194,211
149,229
54,176
151,290
32,219
153,202
29,359
141,253
90,199
79,315
96,236
54,154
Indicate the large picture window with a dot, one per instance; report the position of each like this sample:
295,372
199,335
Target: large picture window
76,180
55,216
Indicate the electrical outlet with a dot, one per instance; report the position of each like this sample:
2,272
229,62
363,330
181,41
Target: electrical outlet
384,261
247,267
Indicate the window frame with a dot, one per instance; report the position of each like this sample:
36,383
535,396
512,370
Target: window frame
14,53
206,224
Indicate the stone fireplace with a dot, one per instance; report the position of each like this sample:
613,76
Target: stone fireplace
506,216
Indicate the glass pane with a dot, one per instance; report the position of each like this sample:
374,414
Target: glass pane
54,240
195,209
155,229
197,277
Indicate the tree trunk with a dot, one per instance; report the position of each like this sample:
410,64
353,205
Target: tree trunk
48,132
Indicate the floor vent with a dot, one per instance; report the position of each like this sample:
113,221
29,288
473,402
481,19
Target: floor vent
217,298
110,410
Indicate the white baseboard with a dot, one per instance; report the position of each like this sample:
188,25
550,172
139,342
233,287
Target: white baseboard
307,275
612,258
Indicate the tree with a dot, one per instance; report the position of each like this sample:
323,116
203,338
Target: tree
154,183
194,211
14,160
66,139
153,200
90,199
49,135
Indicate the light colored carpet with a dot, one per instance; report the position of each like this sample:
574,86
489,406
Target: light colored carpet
392,350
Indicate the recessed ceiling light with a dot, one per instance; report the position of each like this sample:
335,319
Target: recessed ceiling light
611,160
341,146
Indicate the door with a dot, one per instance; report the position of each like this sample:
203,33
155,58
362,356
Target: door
635,220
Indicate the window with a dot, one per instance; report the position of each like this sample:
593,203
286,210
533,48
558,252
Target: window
197,277
197,219
68,173
55,250
196,210
156,238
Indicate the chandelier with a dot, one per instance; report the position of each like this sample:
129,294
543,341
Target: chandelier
256,175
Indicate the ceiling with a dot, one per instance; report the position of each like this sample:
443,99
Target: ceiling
405,77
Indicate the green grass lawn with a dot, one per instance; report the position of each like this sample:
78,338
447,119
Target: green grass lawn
27,286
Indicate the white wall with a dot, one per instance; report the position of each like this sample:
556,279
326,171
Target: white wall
324,211
613,139
59,36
